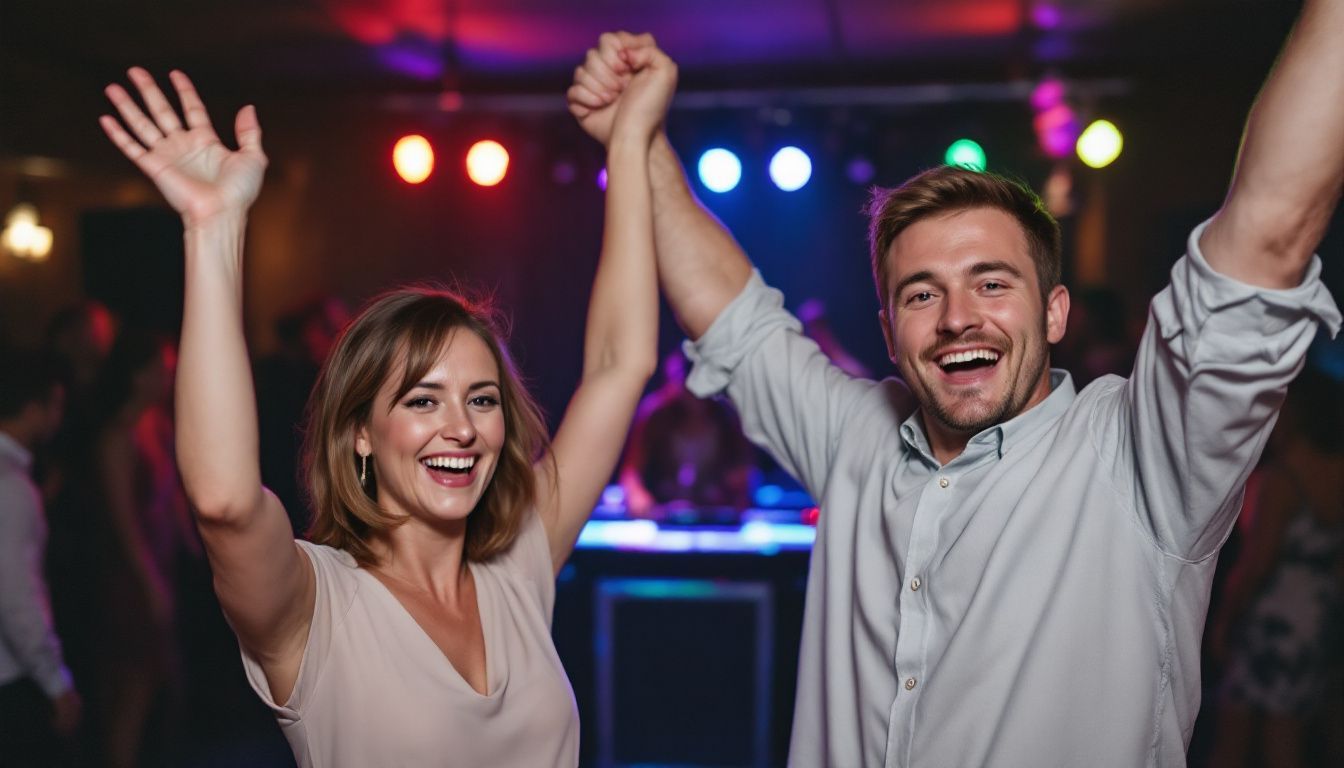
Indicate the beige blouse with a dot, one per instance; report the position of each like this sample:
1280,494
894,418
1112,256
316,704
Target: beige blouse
374,690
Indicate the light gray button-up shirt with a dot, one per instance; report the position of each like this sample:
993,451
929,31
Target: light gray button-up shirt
1039,600
28,644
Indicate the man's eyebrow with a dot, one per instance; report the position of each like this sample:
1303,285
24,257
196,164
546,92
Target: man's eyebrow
984,267
914,277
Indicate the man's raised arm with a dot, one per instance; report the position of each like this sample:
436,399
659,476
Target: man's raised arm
701,268
1291,165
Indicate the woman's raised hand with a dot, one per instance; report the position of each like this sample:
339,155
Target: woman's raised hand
200,177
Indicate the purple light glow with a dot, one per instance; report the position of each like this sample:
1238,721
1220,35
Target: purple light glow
1048,93
1057,131
1046,16
415,58
860,170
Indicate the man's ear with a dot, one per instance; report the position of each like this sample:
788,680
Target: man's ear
886,334
1056,314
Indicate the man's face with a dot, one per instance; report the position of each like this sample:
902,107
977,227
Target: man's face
965,322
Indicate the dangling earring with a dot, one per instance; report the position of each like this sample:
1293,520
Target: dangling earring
364,470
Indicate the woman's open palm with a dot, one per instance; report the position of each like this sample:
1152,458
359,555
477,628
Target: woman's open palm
197,174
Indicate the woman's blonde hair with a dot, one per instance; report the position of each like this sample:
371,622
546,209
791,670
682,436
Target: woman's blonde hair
410,327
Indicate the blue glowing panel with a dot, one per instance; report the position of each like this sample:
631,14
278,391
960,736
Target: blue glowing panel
752,537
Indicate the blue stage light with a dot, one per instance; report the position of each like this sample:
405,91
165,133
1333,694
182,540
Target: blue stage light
790,168
719,169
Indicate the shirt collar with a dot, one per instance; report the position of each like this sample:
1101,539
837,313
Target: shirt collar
13,453
1001,437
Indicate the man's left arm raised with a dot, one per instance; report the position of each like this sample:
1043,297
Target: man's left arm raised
1230,333
1291,166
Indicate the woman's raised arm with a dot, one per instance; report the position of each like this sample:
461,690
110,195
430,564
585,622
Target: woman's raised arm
264,584
620,344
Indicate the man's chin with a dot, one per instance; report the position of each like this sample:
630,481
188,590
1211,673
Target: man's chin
968,417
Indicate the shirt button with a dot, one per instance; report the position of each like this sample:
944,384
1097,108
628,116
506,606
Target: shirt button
943,482
909,683
915,584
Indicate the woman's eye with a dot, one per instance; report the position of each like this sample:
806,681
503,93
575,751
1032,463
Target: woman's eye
484,401
420,402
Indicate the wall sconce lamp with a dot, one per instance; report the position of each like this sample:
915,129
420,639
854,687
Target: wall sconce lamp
23,237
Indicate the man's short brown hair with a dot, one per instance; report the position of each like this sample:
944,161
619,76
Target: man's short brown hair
948,189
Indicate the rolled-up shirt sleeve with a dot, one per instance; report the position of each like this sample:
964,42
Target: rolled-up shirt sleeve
791,399
1212,369
25,617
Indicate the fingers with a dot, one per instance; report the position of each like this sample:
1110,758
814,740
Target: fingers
158,105
581,98
628,40
144,128
609,47
248,129
192,106
601,74
129,147
596,95
644,56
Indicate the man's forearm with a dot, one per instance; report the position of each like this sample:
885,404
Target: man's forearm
1291,164
700,267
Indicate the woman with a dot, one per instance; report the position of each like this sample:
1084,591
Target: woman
415,631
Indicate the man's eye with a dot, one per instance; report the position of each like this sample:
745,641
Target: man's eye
919,297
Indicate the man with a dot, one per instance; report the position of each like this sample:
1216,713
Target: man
1009,572
37,699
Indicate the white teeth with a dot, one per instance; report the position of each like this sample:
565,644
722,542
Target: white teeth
450,462
966,357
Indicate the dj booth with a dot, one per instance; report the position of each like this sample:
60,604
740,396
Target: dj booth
680,635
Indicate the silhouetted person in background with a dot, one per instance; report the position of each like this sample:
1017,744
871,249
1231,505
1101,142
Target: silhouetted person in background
1277,631
1097,342
685,451
38,702
145,533
283,381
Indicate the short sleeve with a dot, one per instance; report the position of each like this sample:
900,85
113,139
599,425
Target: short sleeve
336,587
529,559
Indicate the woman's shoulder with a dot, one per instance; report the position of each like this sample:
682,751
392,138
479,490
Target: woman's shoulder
328,559
528,558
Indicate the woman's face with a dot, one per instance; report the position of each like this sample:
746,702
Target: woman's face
435,448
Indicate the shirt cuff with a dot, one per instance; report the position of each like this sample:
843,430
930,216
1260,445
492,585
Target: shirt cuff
739,330
1201,292
56,682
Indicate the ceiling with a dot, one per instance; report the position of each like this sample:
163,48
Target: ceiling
56,54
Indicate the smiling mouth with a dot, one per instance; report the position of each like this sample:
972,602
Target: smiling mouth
449,465
967,363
